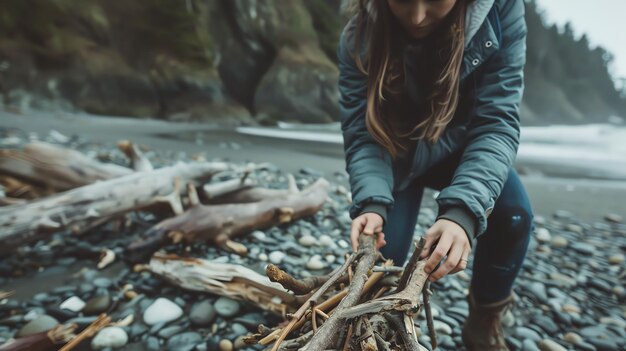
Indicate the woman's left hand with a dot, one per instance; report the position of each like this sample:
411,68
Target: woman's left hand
445,238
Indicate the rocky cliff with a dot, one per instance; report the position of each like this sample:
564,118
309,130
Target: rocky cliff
242,61
223,60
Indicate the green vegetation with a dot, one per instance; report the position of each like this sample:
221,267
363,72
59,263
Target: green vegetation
147,58
564,75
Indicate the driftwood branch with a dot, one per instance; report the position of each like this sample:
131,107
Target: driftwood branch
328,332
298,286
137,159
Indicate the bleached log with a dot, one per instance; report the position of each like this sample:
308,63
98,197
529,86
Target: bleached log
234,281
20,224
245,194
219,223
55,168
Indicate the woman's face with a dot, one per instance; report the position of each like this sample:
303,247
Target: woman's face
420,17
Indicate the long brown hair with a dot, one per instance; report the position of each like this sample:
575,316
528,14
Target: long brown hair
383,65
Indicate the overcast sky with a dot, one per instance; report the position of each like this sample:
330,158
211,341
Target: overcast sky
603,21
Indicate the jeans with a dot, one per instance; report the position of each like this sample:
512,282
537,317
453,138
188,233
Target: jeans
499,251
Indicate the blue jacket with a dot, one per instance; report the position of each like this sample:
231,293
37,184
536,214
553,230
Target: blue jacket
487,130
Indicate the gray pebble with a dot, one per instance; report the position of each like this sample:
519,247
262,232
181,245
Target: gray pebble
202,313
226,307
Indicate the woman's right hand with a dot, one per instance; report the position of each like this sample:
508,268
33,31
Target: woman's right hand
368,223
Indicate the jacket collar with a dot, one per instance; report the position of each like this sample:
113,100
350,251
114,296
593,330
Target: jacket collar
475,16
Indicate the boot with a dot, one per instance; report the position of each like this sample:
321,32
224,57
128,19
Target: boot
482,330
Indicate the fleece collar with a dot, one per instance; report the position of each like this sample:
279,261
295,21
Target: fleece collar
477,11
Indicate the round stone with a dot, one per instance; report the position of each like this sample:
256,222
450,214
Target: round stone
583,248
74,303
543,235
40,324
559,242
571,308
112,337
326,241
226,307
343,244
202,313
315,263
442,327
307,240
549,345
276,257
616,259
529,345
226,345
240,344
572,338
161,311
258,235
97,304
184,341
613,218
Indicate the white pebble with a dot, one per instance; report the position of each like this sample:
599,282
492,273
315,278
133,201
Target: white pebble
315,263
617,258
327,241
343,244
540,220
263,257
543,235
258,235
442,327
276,257
74,303
162,310
559,242
112,337
549,345
307,240
330,258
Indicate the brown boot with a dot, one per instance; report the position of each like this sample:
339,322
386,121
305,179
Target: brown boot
482,330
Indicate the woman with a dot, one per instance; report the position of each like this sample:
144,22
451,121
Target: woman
430,96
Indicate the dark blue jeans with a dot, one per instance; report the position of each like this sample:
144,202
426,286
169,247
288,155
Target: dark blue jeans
499,251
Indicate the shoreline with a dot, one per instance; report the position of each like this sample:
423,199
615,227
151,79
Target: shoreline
589,199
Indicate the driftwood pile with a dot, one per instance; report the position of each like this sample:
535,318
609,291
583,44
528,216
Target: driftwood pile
48,188
359,306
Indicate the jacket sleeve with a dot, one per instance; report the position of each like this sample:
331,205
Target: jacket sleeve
368,163
494,128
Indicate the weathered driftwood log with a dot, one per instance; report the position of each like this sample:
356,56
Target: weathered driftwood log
54,168
224,279
20,224
219,223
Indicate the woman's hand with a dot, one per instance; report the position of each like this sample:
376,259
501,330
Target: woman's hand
445,238
368,223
